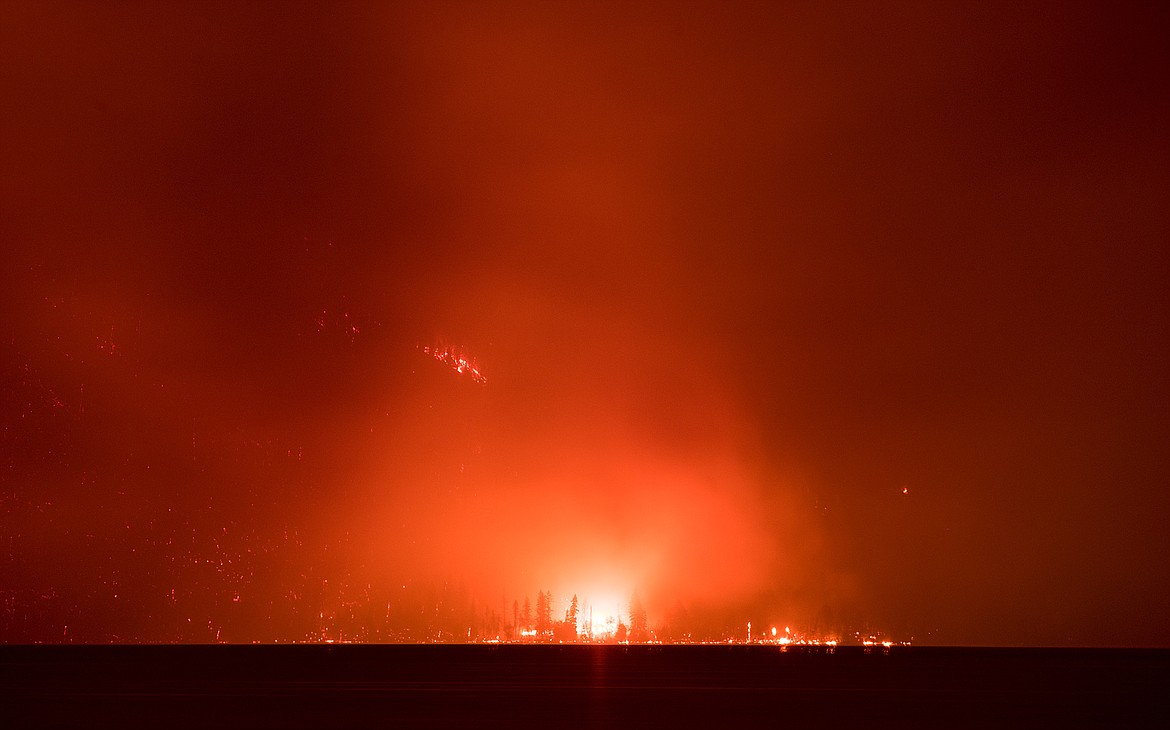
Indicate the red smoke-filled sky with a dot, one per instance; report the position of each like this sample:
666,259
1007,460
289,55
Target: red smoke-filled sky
853,315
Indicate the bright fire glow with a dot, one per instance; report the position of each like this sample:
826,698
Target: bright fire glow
599,615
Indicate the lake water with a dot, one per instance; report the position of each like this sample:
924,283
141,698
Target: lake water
580,686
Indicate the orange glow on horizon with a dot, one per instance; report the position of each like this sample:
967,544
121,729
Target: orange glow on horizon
579,298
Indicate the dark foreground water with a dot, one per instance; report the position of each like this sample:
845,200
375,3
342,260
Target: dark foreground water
596,686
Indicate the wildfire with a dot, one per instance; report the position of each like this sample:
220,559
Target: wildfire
601,621
458,360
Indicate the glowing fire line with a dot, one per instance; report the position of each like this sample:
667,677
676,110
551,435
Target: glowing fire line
458,361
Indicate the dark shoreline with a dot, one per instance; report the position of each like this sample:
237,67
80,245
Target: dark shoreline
579,685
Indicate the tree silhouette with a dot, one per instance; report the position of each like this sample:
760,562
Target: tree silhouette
639,630
566,631
543,614
571,614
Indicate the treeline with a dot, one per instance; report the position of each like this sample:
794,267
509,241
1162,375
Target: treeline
542,626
